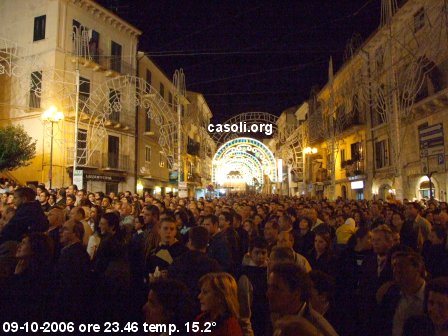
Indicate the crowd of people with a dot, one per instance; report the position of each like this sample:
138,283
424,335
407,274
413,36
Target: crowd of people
237,265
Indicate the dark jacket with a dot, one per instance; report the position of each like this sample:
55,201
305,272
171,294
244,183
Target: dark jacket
219,249
71,285
327,263
164,256
189,268
369,284
29,217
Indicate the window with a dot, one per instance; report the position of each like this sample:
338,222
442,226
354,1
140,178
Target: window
170,98
84,93
379,58
161,160
419,19
35,89
113,148
39,28
342,157
162,90
381,154
81,154
356,151
94,45
149,77
114,105
115,63
148,154
148,121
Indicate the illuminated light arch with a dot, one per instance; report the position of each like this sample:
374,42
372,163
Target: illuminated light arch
249,155
240,161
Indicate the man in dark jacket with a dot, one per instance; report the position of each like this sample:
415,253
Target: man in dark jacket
29,216
193,264
218,246
72,275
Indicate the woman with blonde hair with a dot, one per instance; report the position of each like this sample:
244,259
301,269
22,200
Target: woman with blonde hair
219,305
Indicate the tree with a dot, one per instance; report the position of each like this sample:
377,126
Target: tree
17,148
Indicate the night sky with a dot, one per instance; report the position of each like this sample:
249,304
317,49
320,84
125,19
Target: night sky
249,55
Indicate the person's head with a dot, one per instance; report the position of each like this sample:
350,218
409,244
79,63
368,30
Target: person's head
249,226
375,209
305,225
237,219
412,210
70,200
288,288
340,220
225,220
280,255
408,269
109,223
218,295
91,198
397,220
322,291
77,213
382,239
24,195
72,231
168,302
52,199
56,217
198,237
437,301
285,223
258,250
285,239
271,231
43,196
168,231
150,214
125,209
61,193
437,236
361,240
211,223
106,202
72,189
322,242
37,249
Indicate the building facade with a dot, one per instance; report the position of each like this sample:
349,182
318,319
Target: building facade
44,42
379,124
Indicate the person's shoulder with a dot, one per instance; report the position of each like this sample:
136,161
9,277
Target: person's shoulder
321,323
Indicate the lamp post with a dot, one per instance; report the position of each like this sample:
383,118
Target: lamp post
53,116
306,151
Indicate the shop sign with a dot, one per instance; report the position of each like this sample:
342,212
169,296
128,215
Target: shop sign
104,178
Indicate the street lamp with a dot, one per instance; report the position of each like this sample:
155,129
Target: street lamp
53,116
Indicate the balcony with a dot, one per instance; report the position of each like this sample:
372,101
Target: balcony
116,66
114,161
353,167
92,57
84,158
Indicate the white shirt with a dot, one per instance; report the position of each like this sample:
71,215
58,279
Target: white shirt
409,305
